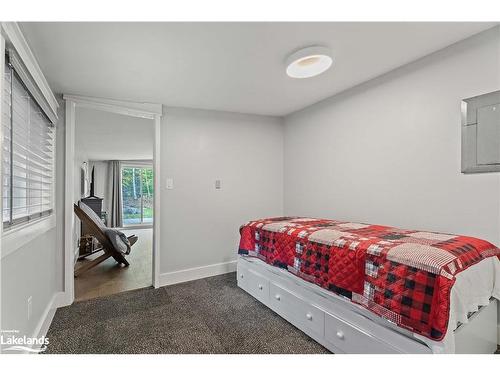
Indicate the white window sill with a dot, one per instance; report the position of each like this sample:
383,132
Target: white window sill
18,236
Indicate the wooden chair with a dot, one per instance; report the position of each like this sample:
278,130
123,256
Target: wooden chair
109,250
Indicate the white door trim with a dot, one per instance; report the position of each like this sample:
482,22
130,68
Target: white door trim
156,203
2,62
134,109
69,217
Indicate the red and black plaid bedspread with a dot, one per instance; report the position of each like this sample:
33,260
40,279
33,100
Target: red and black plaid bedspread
403,275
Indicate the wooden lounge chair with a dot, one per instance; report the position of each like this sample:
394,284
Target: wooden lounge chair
96,229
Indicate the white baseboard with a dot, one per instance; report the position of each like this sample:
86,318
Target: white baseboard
62,299
189,274
46,319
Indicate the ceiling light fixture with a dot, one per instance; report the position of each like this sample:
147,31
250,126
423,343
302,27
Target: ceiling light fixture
308,62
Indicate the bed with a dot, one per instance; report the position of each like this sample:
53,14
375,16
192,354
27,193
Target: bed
361,288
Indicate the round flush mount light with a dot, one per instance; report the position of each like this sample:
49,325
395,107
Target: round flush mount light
308,62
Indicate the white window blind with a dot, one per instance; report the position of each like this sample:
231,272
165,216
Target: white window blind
28,154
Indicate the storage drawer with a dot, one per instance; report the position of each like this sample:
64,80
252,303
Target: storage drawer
352,340
241,276
299,312
256,284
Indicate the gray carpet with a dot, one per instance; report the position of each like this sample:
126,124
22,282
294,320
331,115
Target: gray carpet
210,315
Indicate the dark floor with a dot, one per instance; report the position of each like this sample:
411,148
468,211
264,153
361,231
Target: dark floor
204,316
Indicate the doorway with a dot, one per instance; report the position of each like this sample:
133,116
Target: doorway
149,178
114,153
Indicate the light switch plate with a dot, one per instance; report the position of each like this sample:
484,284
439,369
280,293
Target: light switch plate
170,183
218,184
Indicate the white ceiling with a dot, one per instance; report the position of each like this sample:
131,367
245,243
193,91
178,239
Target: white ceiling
109,136
236,67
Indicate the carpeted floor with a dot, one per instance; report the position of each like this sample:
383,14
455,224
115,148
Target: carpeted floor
210,315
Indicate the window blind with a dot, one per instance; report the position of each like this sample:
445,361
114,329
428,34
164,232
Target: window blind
28,154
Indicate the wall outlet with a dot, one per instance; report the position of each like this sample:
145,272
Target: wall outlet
217,184
30,306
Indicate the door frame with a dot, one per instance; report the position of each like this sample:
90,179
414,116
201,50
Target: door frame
150,111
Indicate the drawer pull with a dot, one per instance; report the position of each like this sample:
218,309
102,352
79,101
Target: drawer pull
260,286
340,335
277,296
309,316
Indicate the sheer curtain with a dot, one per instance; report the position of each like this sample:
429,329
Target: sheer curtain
115,194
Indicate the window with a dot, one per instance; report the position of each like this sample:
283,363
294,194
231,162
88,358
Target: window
137,195
28,154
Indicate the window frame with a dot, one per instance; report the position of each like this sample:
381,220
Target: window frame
138,165
13,226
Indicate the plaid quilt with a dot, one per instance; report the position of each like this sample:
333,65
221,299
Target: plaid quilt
404,276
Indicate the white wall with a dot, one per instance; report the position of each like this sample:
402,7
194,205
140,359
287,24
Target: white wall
101,135
30,271
388,151
36,268
199,225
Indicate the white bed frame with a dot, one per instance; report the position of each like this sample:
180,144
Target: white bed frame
344,327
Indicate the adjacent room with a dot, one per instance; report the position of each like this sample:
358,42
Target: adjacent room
114,165
250,188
